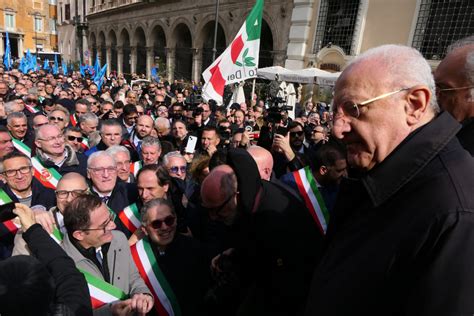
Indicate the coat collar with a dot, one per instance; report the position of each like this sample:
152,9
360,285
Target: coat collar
409,158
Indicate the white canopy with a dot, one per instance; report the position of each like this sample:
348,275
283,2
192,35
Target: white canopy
308,75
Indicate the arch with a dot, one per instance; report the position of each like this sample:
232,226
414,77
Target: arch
266,46
125,43
112,43
180,22
103,48
157,40
331,58
183,52
206,38
139,41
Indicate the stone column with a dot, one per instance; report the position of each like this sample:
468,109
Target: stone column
150,56
170,63
109,59
99,55
119,60
279,58
85,47
133,59
197,64
20,46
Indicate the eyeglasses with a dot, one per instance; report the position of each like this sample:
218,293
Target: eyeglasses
299,134
216,210
158,223
63,194
85,94
104,226
103,169
56,118
176,169
350,108
73,138
439,89
14,172
60,137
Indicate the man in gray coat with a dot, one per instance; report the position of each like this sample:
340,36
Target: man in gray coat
103,254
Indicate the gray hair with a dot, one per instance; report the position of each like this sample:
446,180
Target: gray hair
466,41
469,66
9,107
15,115
111,122
151,141
406,68
60,108
40,129
100,154
152,204
172,154
163,121
118,149
88,116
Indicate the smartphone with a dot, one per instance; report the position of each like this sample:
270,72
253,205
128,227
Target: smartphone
191,145
282,130
6,212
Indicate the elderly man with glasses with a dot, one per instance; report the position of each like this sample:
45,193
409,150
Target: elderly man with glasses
403,221
104,182
53,152
103,255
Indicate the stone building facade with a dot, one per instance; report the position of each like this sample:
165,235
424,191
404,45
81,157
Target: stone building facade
31,24
132,36
72,29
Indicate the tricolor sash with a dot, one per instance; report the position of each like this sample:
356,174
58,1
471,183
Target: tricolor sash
73,120
135,167
166,303
85,143
313,199
130,217
21,147
102,292
57,235
9,225
48,177
32,109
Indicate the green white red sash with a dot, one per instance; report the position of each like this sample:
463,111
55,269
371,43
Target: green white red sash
313,199
57,235
48,177
73,120
166,303
102,292
32,109
135,167
130,217
21,147
10,225
85,143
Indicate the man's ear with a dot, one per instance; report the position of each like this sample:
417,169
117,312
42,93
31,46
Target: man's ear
78,235
144,230
418,103
38,144
166,187
323,170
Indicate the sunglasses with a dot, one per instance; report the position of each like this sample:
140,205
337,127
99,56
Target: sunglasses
158,223
177,169
73,138
293,134
56,118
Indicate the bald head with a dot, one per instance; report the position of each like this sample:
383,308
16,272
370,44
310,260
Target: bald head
264,161
71,184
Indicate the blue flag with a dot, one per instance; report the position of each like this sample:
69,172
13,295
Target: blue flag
55,66
64,67
7,57
46,65
99,79
154,74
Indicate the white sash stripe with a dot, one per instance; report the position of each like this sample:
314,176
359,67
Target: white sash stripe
101,295
313,199
131,216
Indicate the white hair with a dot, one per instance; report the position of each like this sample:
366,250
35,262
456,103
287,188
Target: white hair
173,154
163,122
405,66
113,150
100,154
469,65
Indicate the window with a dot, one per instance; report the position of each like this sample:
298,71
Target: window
440,23
52,26
38,24
336,24
52,2
67,12
10,20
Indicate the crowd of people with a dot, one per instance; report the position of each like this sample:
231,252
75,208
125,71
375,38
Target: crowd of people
146,199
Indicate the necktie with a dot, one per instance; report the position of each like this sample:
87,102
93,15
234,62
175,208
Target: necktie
105,199
98,254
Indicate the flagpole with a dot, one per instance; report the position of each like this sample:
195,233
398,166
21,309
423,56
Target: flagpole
253,91
214,49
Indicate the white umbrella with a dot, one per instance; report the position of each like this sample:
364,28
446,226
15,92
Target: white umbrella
238,95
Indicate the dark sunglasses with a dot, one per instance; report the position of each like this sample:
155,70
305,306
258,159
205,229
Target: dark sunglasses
85,94
56,118
157,223
293,134
31,100
73,138
175,169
